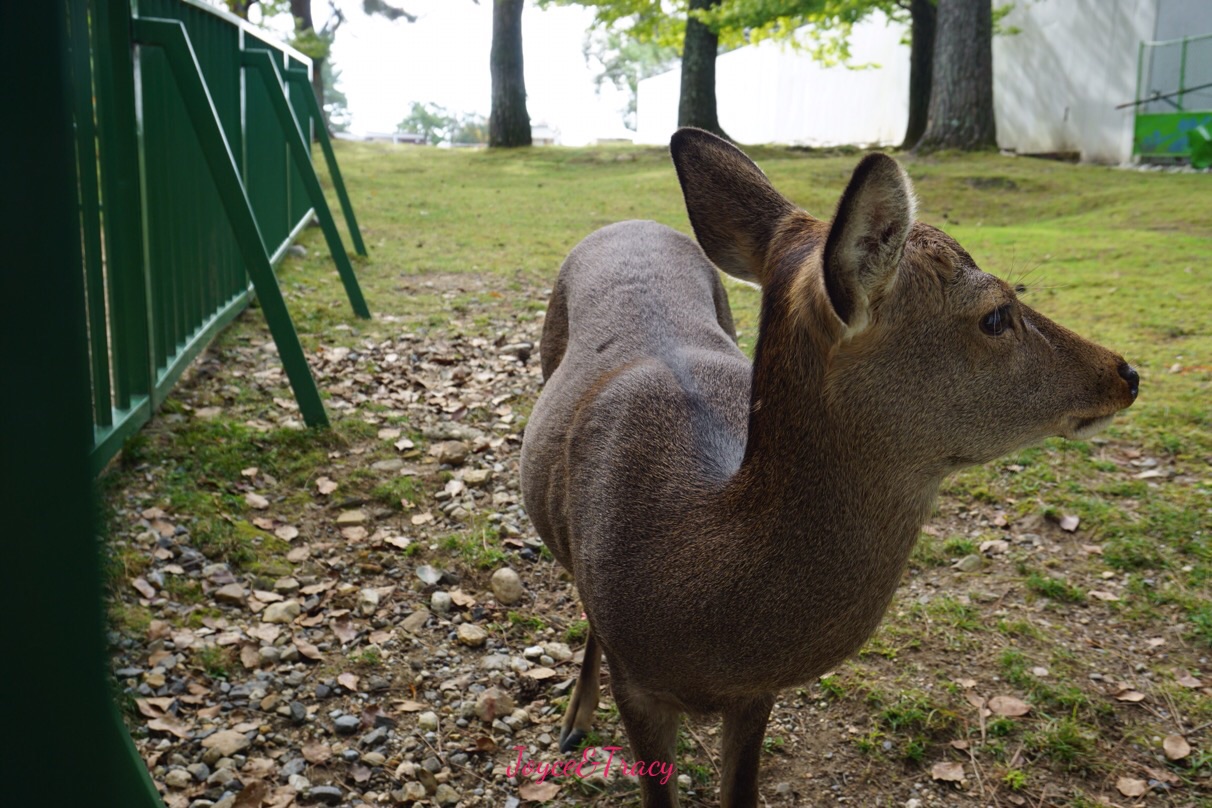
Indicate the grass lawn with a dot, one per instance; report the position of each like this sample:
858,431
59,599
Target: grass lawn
1072,622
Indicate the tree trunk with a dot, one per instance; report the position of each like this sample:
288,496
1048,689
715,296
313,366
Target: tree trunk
697,104
301,11
508,123
961,95
923,15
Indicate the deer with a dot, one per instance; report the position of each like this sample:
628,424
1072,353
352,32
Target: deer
734,529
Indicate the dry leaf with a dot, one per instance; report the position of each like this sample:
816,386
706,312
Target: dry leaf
397,541
1008,706
251,471
252,795
540,674
1104,596
1131,787
959,744
404,444
170,724
345,630
325,486
256,501
307,650
316,753
965,683
1185,679
1131,696
348,680
388,433
1176,747
461,599
539,792
422,518
360,773
264,522
948,772
287,533
1069,523
250,656
409,706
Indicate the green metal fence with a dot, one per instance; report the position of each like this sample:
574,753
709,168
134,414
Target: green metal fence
1173,98
194,174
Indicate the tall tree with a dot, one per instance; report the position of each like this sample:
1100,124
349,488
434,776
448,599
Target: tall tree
696,106
508,122
923,16
961,96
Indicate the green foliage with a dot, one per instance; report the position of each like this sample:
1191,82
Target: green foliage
437,125
625,62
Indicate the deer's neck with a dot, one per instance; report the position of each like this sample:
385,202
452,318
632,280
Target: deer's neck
813,484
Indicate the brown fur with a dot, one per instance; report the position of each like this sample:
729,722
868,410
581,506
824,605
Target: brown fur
734,530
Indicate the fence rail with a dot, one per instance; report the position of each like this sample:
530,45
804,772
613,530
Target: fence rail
194,175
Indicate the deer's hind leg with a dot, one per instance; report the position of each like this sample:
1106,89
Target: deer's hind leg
584,701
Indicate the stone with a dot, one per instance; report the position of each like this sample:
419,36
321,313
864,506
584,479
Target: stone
416,621
392,464
286,586
298,713
346,724
969,563
452,452
199,771
178,778
445,795
282,612
440,602
428,721
558,651
328,795
684,781
472,635
474,478
226,742
232,595
507,586
492,703
269,655
351,518
412,792
368,602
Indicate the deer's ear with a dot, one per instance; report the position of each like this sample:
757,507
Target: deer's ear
867,237
732,206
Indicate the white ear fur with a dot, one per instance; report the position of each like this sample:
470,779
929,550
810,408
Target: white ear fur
867,238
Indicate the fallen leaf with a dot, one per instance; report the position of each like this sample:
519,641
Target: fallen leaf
345,630
947,771
1108,597
1008,706
1131,787
308,650
170,724
389,433
316,753
965,683
251,471
348,680
287,533
959,744
360,773
422,518
1069,523
325,486
461,599
540,674
404,444
256,501
1185,679
409,706
398,541
252,795
539,792
1130,696
1176,747
250,656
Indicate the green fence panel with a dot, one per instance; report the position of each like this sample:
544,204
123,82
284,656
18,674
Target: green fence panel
163,237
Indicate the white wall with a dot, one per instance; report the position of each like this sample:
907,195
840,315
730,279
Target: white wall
771,94
1056,84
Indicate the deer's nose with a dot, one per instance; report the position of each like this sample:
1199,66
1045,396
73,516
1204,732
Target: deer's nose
1129,374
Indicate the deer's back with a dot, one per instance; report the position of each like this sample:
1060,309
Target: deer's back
645,406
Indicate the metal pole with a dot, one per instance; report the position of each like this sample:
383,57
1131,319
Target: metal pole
263,63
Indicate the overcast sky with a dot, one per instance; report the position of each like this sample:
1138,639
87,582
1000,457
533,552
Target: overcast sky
443,58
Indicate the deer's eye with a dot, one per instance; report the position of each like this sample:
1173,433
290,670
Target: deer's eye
996,321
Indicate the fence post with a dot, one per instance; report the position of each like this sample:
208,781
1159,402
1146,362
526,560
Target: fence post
299,76
170,35
262,63
69,744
